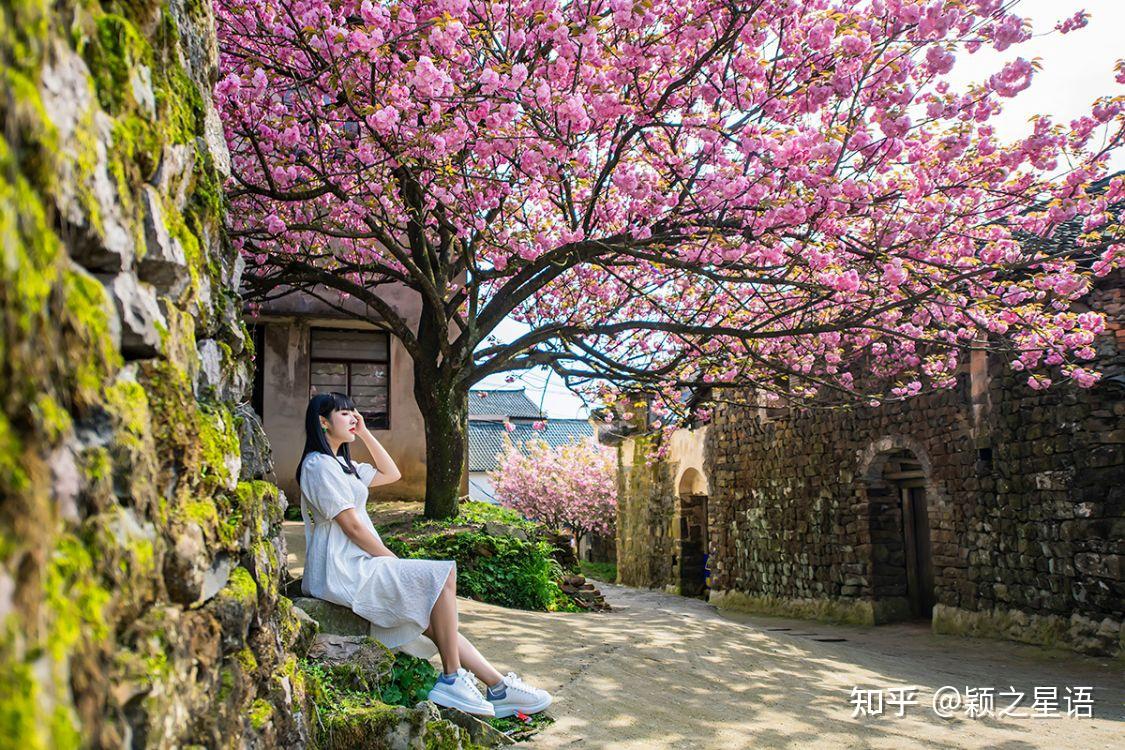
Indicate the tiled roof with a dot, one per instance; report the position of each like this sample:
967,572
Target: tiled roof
501,403
486,439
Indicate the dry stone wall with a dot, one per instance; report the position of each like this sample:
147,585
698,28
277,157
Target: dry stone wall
139,554
1025,492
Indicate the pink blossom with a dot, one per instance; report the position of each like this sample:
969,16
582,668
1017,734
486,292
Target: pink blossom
573,486
1076,21
1012,79
602,173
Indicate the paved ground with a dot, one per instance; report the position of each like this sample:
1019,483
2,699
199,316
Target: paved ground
662,671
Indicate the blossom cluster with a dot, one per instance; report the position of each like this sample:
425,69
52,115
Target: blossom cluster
786,194
573,486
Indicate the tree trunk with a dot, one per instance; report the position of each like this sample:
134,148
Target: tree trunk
445,413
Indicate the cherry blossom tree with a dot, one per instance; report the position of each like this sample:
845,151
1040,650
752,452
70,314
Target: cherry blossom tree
785,196
573,486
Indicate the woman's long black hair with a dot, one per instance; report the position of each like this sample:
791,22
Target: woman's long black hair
322,405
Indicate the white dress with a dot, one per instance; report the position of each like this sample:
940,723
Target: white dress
396,596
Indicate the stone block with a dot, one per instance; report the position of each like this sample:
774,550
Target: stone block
163,264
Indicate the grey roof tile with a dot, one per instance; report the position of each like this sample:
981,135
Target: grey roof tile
486,439
501,403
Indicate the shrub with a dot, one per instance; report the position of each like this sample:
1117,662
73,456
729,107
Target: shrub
499,570
344,686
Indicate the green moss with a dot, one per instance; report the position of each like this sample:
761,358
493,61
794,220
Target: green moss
51,418
19,703
268,567
247,660
74,597
193,254
127,401
242,587
218,440
143,552
13,476
96,464
261,711
132,161
64,728
87,316
200,437
23,33
353,726
23,111
22,723
202,512
207,198
114,51
226,684
442,735
30,252
181,106
86,165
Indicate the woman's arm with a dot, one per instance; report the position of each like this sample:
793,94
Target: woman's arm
361,535
385,467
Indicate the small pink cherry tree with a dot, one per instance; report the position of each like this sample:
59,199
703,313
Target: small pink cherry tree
573,486
782,195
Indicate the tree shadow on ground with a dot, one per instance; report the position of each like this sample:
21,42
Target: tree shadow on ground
666,672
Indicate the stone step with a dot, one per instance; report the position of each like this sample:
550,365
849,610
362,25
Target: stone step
332,618
336,620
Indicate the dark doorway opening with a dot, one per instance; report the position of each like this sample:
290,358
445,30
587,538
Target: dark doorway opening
693,545
903,566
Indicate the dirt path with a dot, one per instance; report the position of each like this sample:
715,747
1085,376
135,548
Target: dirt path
662,671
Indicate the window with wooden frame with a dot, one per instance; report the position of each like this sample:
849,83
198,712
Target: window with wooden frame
355,362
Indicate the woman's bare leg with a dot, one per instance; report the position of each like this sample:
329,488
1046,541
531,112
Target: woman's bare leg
443,625
476,663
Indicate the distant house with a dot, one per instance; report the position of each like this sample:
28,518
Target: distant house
490,413
306,346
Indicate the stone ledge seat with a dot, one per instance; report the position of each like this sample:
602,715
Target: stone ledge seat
336,620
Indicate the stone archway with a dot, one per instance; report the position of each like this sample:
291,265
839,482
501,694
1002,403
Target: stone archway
690,529
896,476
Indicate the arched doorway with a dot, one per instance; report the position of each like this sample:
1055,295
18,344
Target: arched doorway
897,482
691,552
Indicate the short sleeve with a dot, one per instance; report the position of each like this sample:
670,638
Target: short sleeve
325,487
365,472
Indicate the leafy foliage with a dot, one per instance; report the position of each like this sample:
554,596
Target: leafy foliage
473,513
343,687
499,570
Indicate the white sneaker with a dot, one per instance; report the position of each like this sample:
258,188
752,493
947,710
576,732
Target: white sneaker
519,696
463,694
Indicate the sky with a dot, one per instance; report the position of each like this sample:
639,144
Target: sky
1077,68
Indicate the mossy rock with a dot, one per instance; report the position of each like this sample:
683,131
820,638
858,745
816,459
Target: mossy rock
392,727
332,618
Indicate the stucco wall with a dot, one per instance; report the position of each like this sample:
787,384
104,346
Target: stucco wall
285,364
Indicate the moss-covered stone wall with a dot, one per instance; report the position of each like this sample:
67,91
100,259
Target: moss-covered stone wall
139,565
646,514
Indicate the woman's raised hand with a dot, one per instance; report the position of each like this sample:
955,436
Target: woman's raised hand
361,426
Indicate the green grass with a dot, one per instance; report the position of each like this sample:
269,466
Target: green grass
599,571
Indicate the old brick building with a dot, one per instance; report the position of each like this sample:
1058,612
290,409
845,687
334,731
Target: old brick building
992,509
